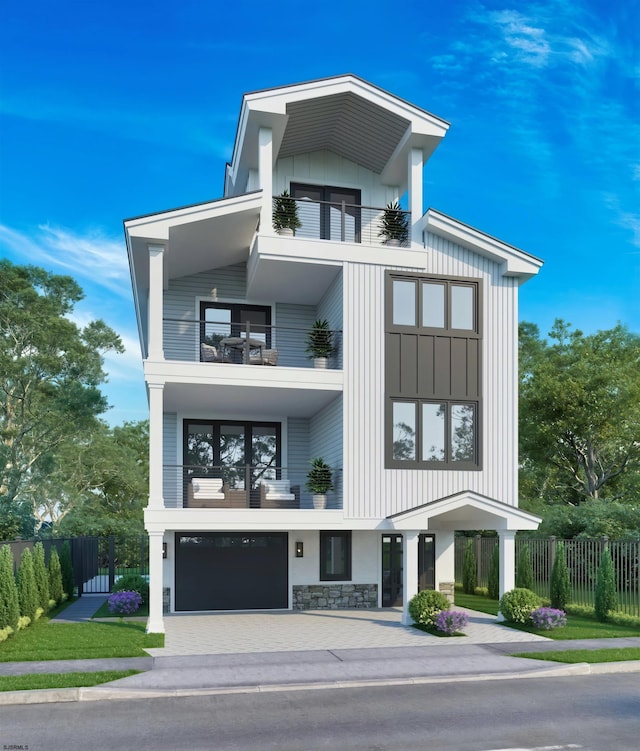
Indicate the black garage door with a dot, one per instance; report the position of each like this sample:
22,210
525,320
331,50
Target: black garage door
231,570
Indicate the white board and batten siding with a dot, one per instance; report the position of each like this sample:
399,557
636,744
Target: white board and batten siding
370,490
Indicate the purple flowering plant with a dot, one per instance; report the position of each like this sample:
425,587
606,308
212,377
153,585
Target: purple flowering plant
548,618
125,603
451,621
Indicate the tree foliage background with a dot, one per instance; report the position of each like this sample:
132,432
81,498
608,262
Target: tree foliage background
62,468
580,430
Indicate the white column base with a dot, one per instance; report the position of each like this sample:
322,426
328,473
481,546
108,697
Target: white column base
409,573
155,622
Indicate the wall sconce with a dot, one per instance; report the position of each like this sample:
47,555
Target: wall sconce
164,549
299,549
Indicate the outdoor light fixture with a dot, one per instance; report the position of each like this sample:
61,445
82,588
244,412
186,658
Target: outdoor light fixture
299,550
164,549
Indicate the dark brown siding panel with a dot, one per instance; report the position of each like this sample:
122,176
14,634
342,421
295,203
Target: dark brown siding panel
443,366
426,374
459,382
392,363
409,365
473,367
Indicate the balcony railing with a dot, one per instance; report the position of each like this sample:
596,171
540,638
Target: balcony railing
247,487
248,343
345,222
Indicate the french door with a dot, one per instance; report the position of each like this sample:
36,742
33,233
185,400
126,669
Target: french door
328,213
392,586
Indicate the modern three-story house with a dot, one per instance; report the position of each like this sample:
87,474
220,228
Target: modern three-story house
332,375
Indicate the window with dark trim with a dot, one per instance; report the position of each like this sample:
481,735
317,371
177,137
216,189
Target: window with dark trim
433,370
219,320
335,555
328,213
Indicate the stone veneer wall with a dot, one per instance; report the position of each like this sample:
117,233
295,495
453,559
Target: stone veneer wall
334,596
448,589
166,599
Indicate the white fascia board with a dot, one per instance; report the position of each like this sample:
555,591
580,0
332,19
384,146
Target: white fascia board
157,226
514,262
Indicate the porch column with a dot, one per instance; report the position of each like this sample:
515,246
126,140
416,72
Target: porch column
155,350
415,196
507,550
409,573
265,179
155,622
156,414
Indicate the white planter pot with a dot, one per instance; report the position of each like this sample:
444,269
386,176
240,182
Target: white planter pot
393,242
285,231
319,500
320,362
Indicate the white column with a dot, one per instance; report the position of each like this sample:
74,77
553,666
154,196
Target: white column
265,177
507,550
415,195
155,622
154,314
445,557
156,414
409,573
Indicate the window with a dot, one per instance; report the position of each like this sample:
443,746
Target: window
221,320
335,556
433,372
438,434
328,213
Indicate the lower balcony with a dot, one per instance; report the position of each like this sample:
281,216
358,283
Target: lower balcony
251,487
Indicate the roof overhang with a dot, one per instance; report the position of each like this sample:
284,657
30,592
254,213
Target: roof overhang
514,262
343,114
464,511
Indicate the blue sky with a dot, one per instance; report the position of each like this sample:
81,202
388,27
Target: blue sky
111,110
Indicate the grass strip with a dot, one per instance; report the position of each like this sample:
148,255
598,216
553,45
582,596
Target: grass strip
77,641
61,680
580,627
585,655
476,602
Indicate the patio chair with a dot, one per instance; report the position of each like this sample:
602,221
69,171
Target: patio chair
206,492
276,494
209,353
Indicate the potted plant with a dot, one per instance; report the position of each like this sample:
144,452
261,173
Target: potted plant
320,343
285,214
394,225
319,482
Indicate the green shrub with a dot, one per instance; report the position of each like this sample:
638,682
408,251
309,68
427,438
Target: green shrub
66,567
560,586
9,605
481,591
469,570
133,583
27,590
606,598
524,569
55,576
517,604
41,576
426,605
493,589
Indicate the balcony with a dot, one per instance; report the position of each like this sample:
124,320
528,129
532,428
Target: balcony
223,343
342,222
245,487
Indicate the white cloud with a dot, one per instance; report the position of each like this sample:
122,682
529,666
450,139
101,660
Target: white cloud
92,255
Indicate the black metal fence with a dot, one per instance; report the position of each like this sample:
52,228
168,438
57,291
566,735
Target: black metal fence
97,561
582,557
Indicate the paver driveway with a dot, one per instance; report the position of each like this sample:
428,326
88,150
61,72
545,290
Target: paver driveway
280,631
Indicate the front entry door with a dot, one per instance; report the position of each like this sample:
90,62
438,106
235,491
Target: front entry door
391,570
392,590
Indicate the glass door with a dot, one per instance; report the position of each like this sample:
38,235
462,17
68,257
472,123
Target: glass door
391,571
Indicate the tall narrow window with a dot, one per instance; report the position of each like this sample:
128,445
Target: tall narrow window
404,303
404,431
335,556
433,432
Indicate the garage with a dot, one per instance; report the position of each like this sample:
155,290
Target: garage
231,571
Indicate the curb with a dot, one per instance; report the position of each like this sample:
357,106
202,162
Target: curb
106,693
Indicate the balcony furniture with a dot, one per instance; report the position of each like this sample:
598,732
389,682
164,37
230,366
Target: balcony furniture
206,492
209,353
269,356
277,494
239,344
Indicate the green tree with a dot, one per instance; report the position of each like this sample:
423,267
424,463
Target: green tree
55,576
41,576
27,589
50,373
66,567
9,606
469,569
560,585
524,569
579,413
606,597
494,574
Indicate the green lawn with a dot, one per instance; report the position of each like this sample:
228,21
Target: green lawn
61,680
581,627
476,602
585,655
46,640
